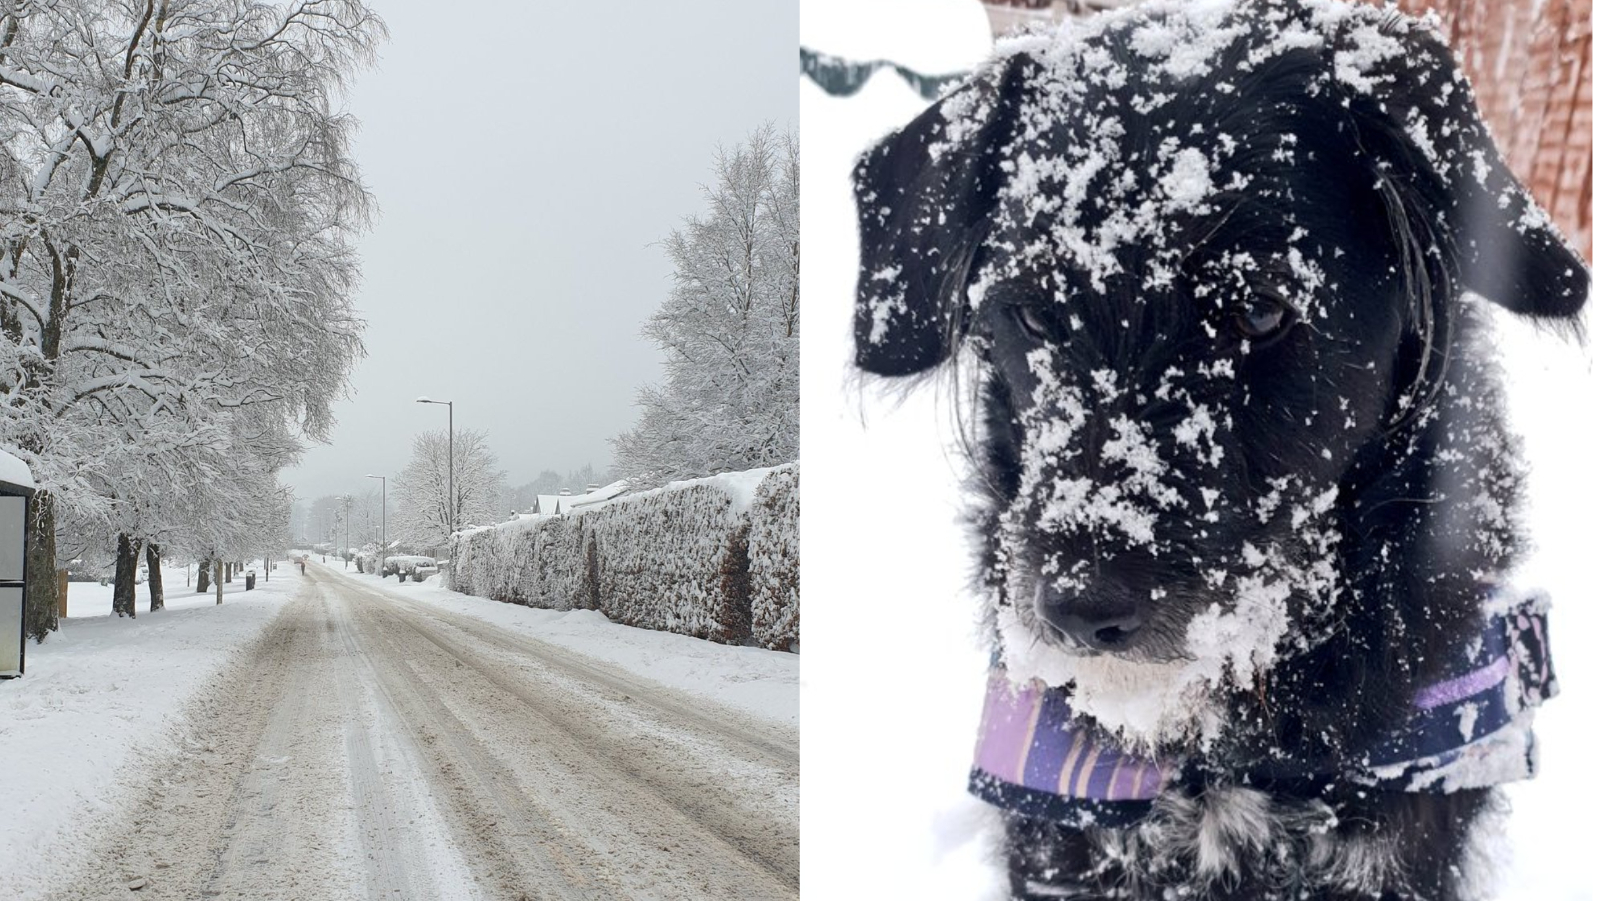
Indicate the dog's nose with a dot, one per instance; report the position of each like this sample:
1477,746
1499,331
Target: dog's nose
1104,624
1112,634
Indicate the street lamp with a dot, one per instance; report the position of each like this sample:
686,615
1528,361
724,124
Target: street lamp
450,486
383,522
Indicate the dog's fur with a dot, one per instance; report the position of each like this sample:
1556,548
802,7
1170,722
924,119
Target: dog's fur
1240,468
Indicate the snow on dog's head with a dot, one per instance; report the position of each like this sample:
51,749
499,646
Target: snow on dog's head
1207,259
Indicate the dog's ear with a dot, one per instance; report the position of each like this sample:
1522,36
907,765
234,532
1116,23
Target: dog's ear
922,197
1506,248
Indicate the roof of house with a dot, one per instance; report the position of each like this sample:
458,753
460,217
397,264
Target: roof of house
556,504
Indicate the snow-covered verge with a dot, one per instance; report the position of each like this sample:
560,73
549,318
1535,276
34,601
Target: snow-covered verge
98,697
756,681
89,599
891,719
713,558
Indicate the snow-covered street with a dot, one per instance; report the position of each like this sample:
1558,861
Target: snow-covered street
231,325
390,741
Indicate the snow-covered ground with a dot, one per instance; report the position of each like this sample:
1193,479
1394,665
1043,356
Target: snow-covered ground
891,698
99,696
105,694
91,599
752,680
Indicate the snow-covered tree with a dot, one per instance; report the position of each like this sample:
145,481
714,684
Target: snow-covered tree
366,517
177,208
216,495
730,327
422,497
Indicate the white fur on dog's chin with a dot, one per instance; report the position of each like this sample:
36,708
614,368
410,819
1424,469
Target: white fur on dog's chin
1146,703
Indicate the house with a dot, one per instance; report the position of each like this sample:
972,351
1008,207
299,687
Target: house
559,504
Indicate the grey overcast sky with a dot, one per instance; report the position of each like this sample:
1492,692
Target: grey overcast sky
526,158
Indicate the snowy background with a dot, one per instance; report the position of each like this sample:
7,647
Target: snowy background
890,720
528,158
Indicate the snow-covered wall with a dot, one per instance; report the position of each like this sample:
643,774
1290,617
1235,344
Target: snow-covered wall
716,558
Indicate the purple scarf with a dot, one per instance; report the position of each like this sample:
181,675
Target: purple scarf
1467,730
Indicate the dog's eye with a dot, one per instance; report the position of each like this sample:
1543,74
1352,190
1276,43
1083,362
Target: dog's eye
1034,323
1262,317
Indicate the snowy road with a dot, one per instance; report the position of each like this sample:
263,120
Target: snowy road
371,746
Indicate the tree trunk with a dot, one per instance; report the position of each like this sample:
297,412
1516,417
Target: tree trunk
43,589
227,572
127,569
152,559
203,580
266,569
217,577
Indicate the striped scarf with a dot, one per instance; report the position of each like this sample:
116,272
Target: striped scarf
1471,729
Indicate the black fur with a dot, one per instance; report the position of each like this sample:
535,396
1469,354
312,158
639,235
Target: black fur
1361,440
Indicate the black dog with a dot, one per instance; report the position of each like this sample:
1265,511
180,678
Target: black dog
1243,486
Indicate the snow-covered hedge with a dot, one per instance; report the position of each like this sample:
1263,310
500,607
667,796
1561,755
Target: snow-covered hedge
673,559
775,560
702,558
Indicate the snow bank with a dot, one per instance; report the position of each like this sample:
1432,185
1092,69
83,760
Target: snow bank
677,559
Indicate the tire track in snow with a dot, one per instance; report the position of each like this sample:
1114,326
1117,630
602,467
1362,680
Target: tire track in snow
250,803
407,852
521,860
776,743
641,783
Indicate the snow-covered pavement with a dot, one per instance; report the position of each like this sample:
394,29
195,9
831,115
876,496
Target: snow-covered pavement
100,697
341,739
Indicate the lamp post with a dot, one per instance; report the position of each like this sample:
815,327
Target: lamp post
450,486
346,552
383,522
